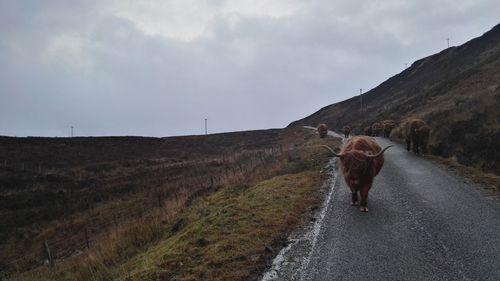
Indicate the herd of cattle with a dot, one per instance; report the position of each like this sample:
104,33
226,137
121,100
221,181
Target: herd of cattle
361,158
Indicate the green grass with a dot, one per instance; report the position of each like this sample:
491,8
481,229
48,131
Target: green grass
230,234
226,234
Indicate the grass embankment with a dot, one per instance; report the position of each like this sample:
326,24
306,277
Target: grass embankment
231,234
226,234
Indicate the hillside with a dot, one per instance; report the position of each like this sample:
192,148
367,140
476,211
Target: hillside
42,179
456,91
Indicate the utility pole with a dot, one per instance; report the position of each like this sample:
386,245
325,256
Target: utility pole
206,132
361,99
72,131
448,40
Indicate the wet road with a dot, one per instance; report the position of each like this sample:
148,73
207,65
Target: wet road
424,223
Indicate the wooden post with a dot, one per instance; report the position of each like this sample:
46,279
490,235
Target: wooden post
160,203
87,242
47,250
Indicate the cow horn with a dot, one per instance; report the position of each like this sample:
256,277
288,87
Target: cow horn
331,150
378,154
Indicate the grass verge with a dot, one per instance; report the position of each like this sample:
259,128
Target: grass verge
232,233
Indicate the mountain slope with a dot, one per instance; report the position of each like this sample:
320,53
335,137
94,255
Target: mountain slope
457,92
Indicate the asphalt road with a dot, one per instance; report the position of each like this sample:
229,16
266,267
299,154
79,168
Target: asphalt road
424,223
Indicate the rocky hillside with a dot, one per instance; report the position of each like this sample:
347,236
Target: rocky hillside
456,91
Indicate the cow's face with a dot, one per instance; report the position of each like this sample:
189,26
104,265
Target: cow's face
356,165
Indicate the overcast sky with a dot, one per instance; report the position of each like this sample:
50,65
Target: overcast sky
158,68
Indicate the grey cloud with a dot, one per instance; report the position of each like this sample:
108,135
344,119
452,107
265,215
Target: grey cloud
71,63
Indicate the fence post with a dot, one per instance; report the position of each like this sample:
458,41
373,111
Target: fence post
87,242
160,203
49,256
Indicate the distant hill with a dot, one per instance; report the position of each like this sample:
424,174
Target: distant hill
456,91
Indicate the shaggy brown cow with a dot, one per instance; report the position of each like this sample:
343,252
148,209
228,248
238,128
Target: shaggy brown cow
387,126
417,132
322,130
376,128
360,161
346,130
368,131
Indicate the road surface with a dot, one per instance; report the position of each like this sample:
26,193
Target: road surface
424,223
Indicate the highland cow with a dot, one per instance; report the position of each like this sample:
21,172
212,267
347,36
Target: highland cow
376,128
360,161
387,126
322,130
346,130
417,132
367,131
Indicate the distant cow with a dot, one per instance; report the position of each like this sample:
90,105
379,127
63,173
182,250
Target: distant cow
417,132
346,130
367,131
387,126
376,128
360,161
322,130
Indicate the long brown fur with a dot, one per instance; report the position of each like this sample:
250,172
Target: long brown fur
346,130
417,133
322,130
367,130
376,128
358,169
387,126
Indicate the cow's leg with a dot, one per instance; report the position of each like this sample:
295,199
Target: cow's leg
354,195
408,144
364,199
416,143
